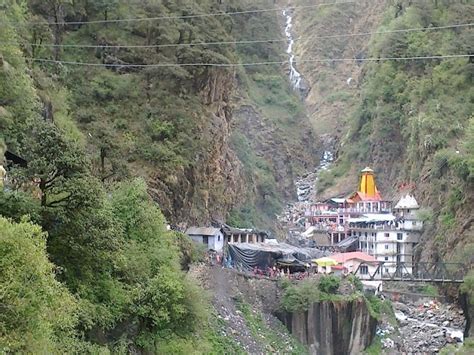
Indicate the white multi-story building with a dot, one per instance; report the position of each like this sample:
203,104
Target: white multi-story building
367,222
391,238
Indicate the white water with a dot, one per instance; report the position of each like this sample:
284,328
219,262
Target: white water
295,76
451,332
305,185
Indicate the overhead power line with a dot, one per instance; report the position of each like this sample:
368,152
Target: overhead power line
220,43
203,15
227,65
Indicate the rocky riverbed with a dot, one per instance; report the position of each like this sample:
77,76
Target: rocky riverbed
293,216
423,328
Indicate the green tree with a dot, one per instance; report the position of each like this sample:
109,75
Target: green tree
58,164
36,311
329,284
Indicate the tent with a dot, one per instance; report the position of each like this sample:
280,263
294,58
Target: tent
262,255
325,261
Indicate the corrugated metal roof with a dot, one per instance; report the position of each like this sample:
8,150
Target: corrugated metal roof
202,231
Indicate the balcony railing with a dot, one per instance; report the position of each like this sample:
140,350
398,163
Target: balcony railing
386,227
333,211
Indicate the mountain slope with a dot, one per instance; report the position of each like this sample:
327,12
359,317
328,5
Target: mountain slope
99,141
410,120
170,124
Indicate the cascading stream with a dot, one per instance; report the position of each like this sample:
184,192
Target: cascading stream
305,185
295,76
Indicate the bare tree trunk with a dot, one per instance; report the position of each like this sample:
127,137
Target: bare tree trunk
42,187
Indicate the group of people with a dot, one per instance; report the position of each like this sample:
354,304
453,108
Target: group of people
271,272
214,258
279,272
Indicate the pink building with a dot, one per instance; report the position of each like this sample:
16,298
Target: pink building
351,261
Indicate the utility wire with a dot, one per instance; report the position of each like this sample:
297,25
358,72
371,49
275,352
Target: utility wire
219,43
322,60
203,15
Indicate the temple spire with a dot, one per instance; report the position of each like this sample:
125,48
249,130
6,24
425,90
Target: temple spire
367,183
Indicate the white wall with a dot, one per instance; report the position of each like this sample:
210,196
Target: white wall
215,242
353,264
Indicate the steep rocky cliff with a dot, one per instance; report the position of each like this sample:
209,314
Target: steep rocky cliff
214,184
330,327
165,119
334,84
272,135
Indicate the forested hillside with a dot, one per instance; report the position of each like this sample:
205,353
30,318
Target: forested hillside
121,124
415,120
412,121
107,145
172,124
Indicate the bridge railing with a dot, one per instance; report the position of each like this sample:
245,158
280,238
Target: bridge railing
421,271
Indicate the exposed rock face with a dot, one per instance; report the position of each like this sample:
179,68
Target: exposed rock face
333,84
209,188
269,142
468,309
427,326
344,327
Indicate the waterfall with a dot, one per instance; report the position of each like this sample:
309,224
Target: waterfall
295,76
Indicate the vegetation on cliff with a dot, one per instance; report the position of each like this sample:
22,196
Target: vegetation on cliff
413,121
300,296
87,262
272,340
125,287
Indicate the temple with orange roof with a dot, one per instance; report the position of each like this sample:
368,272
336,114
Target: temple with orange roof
365,221
334,214
368,198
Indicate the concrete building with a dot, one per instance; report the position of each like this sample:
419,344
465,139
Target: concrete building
391,239
213,238
333,215
366,222
243,235
353,260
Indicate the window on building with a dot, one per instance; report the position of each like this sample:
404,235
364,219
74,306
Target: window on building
399,236
205,240
386,246
414,223
386,269
386,258
364,270
387,235
218,238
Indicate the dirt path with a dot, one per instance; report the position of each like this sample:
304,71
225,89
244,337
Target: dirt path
244,306
223,301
